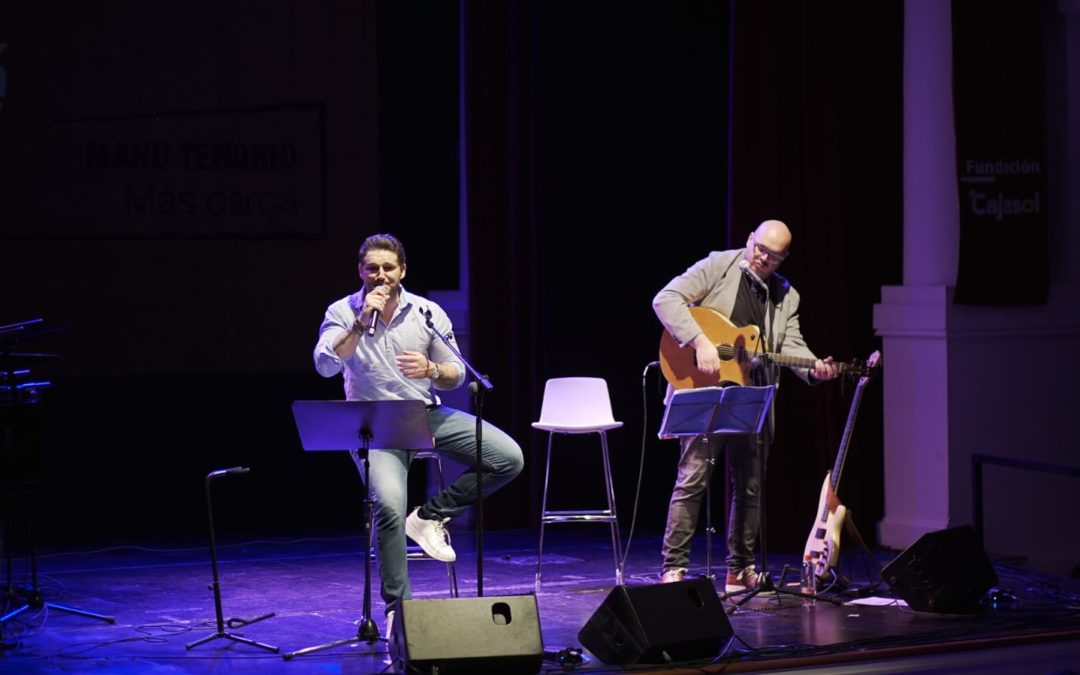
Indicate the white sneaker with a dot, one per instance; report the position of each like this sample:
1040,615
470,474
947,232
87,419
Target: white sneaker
388,657
389,624
431,535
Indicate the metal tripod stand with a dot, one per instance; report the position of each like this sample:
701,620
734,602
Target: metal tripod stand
16,398
32,598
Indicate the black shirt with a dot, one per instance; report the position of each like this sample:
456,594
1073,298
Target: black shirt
749,310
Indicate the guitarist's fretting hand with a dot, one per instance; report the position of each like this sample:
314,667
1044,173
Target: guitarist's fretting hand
708,360
825,369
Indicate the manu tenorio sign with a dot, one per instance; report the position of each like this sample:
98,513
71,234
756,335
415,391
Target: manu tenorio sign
234,173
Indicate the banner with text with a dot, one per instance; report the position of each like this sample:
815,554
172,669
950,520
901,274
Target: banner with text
232,173
1000,107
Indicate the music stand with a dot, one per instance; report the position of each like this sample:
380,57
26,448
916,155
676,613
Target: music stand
361,426
715,411
16,396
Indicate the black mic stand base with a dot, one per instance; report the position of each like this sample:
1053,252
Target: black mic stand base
236,638
367,632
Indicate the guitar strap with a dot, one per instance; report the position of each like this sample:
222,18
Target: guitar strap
770,307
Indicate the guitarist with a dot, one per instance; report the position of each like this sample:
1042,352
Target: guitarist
741,284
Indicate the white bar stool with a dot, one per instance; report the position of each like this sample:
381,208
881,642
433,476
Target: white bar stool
579,405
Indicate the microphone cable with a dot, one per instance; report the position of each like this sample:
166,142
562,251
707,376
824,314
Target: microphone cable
641,465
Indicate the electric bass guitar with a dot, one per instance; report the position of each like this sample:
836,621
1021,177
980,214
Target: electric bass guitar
740,350
823,544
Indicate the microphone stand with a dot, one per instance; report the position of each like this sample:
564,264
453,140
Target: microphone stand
477,388
763,443
765,585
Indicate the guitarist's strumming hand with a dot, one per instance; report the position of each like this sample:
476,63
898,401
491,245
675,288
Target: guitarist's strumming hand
825,369
708,360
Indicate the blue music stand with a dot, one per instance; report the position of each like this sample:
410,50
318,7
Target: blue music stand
715,411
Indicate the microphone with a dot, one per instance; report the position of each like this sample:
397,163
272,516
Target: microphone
749,271
374,321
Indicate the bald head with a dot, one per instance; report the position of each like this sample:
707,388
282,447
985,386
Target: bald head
773,235
767,246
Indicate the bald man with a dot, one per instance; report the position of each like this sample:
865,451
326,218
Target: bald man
750,294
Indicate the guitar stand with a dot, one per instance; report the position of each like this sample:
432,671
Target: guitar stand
859,592
216,586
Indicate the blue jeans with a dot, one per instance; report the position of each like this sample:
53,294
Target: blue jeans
454,432
694,472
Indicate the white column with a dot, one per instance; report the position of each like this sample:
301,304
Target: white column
912,319
931,205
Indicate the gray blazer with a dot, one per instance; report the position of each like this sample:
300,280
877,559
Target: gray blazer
714,282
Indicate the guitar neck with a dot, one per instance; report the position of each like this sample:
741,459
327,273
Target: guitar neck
845,440
793,361
726,351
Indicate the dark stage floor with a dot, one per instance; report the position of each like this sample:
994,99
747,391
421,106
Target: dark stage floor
159,595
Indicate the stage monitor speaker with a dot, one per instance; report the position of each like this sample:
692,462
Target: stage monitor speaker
945,571
499,634
658,623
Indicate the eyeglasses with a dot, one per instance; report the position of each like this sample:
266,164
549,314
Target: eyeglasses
773,257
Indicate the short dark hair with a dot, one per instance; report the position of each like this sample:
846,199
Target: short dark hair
385,242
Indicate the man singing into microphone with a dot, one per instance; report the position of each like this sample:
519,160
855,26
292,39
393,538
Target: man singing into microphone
741,284
379,338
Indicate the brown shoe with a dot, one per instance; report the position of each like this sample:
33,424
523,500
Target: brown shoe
742,580
672,575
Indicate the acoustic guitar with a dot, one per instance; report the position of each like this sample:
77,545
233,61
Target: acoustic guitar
823,544
740,350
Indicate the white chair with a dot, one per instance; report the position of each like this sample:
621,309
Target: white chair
579,405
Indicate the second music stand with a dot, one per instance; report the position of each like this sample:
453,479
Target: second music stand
715,411
361,426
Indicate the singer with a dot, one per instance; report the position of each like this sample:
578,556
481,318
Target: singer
378,338
743,285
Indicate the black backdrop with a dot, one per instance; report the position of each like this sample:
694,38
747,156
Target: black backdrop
629,185
599,165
